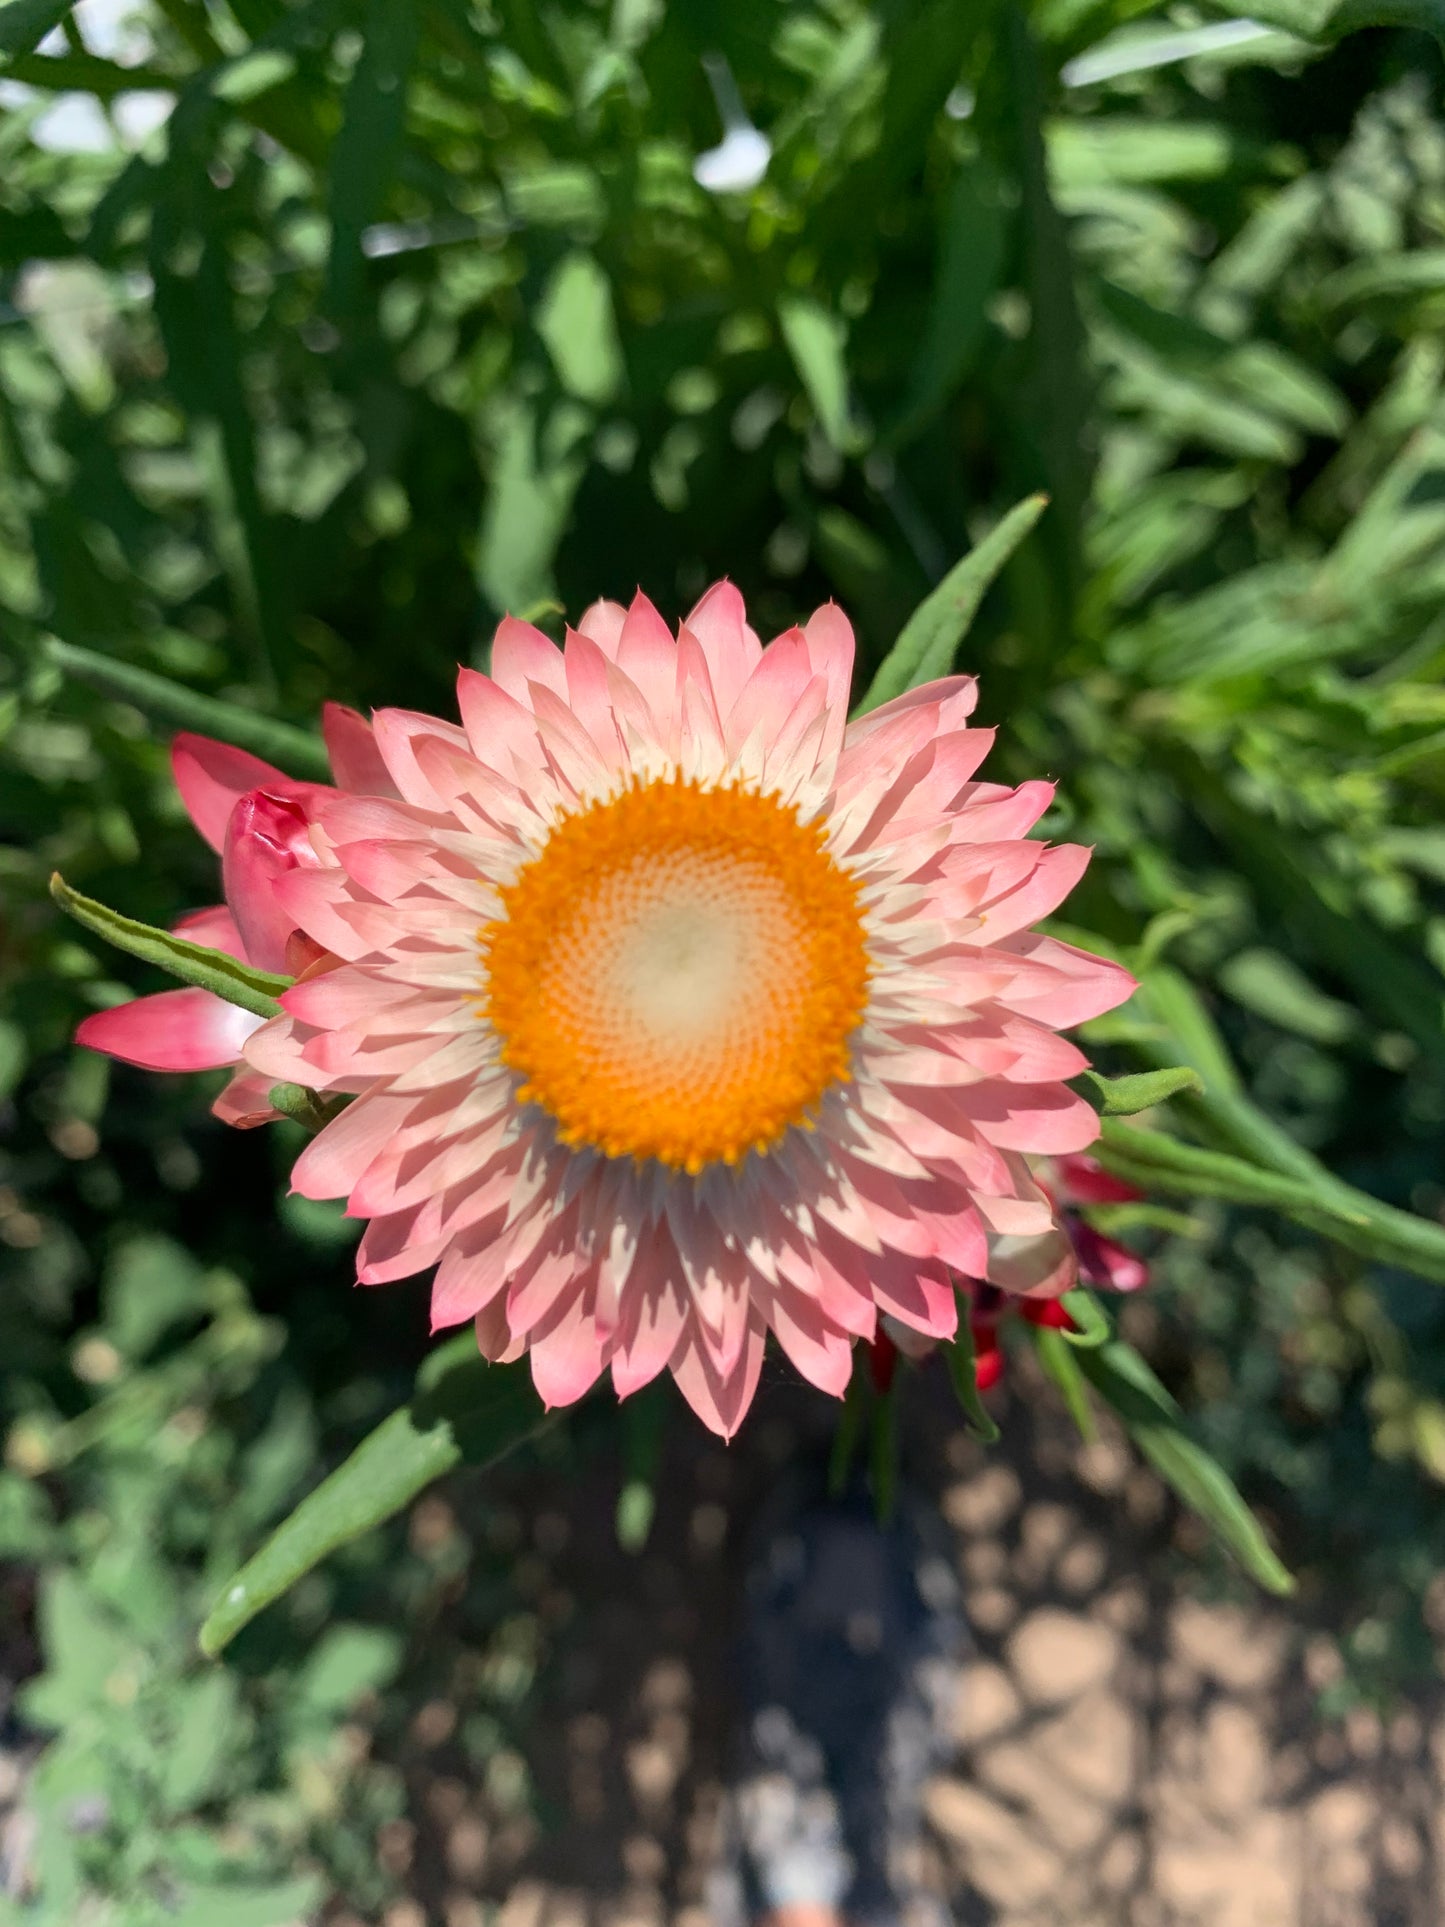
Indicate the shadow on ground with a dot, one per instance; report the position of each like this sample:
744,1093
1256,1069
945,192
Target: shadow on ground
1129,1753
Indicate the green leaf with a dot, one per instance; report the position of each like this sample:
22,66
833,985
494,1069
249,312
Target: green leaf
14,1055
295,750
1093,1326
369,145
1249,373
1125,1096
85,74
816,340
536,462
83,1648
961,1358
247,1903
464,1410
1063,1368
1120,149
1161,1162
206,359
644,1425
1275,988
303,1106
1421,271
25,23
1329,19
205,1731
1048,400
933,633
1250,1159
1122,1378
883,1451
254,73
151,1284
971,252
577,321
1351,1218
193,963
1168,995
346,1662
850,1421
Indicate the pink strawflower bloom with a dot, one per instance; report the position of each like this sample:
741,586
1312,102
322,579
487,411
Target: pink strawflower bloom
1075,1180
257,820
678,1010
1069,1181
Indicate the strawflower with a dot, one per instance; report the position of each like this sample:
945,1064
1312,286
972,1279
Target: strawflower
257,820
1069,1182
676,1010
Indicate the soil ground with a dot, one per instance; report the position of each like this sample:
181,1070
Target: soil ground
1130,1752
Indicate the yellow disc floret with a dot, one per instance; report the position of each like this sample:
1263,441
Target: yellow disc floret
678,972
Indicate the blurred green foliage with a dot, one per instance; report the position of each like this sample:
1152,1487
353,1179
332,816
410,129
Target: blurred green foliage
412,313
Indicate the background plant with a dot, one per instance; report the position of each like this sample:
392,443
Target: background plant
411,313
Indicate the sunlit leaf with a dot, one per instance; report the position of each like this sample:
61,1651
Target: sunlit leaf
973,233
1126,1096
1092,1326
368,146
935,631
193,963
817,341
1058,1360
464,1411
961,1358
294,750
1122,1378
1350,1217
25,23
1328,19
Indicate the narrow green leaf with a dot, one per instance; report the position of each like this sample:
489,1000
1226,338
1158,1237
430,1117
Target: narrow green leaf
972,249
252,74
25,23
295,750
961,1359
1063,1368
245,1903
1351,1218
644,1426
205,356
1168,995
369,146
1329,19
1048,396
816,340
193,963
1135,150
464,1410
883,1452
1249,373
84,74
933,633
1169,1164
536,463
577,320
1093,1326
845,1433
1125,1096
1122,1378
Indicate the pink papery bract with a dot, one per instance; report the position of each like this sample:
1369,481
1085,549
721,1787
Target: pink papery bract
912,1169
258,821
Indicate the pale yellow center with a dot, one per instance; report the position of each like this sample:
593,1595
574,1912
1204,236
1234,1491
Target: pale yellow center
677,973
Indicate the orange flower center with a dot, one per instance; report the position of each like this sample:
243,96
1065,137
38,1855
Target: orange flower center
677,973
